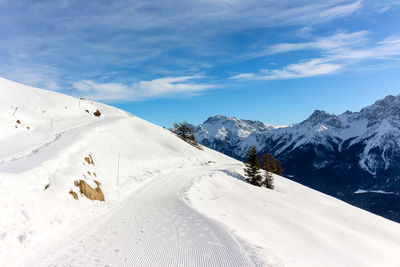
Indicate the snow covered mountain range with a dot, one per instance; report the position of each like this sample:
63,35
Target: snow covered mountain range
167,203
354,156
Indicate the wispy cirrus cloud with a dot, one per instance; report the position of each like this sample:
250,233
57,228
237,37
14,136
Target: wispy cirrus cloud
107,45
340,10
83,41
330,44
336,52
387,49
157,88
314,67
39,76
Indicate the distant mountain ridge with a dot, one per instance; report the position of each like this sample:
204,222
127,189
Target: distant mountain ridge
336,154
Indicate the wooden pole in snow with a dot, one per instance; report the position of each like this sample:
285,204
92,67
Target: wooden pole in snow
16,108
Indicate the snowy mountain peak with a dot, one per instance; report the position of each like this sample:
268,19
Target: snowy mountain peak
217,118
235,121
389,107
225,127
389,101
371,126
323,117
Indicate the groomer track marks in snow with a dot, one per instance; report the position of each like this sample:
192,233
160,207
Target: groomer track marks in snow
153,227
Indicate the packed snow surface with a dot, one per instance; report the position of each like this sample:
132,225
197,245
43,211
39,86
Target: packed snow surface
167,203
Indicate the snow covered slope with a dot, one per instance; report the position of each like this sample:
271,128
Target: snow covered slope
294,225
148,217
51,154
336,154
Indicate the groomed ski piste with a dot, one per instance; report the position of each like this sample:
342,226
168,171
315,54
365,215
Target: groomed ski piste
167,203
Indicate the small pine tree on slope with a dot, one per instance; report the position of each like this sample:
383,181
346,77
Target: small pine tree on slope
268,181
252,170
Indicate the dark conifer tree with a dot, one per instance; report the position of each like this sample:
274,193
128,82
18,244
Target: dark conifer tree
268,181
252,170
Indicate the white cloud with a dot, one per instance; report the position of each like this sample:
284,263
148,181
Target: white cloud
310,68
310,12
386,49
314,67
52,85
81,40
340,11
163,39
171,85
337,52
382,6
329,44
342,45
244,76
163,87
41,76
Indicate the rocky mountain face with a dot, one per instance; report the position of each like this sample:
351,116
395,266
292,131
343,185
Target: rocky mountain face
354,156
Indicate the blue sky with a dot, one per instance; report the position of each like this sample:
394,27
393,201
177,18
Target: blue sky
167,60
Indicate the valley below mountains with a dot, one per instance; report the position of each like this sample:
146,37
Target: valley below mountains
354,156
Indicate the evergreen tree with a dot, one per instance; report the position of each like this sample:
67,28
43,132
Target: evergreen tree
268,181
271,164
252,170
